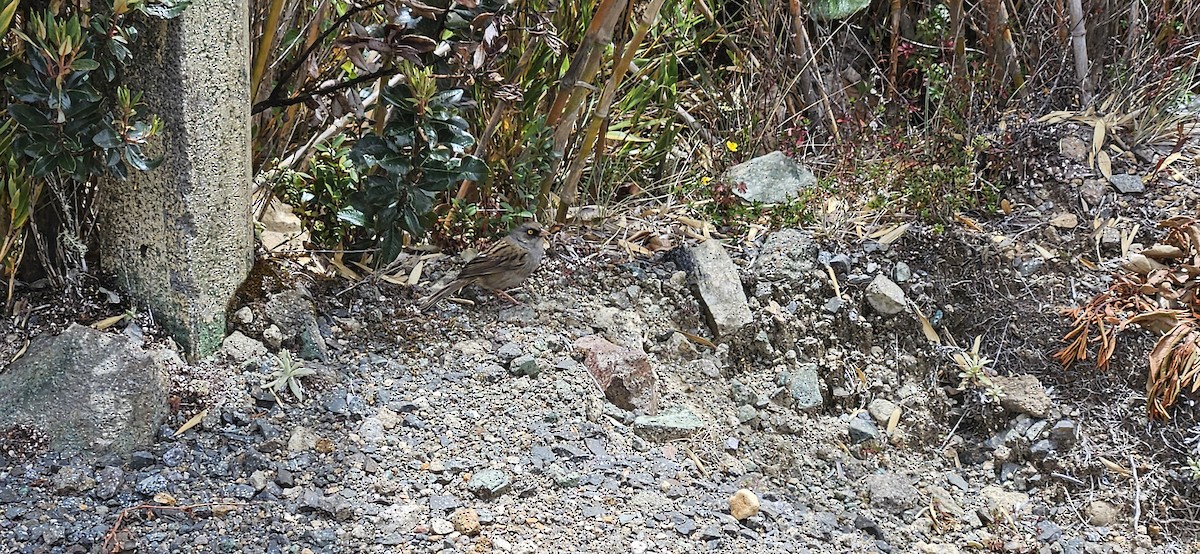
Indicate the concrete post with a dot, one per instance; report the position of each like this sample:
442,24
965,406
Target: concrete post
180,238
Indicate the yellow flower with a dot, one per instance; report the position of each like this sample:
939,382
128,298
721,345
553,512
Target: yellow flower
705,180
731,146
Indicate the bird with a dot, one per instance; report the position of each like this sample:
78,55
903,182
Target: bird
504,265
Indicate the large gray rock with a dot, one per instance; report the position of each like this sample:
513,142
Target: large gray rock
787,255
891,492
716,280
803,386
91,392
885,296
1023,394
180,237
1127,184
771,179
295,315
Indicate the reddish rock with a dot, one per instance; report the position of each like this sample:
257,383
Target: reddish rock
623,374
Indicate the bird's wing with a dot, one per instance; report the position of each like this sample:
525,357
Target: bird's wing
501,257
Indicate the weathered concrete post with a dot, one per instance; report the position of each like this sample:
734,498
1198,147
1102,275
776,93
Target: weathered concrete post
180,238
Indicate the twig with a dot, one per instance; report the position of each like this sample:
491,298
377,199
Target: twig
696,460
299,98
946,442
1137,494
292,69
1066,477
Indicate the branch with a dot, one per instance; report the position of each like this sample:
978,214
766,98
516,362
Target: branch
280,102
292,69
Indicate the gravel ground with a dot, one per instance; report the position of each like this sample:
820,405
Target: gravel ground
481,429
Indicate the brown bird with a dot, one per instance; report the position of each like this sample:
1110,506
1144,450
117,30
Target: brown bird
504,265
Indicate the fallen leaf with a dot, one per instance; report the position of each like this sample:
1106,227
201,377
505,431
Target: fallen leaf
393,280
926,327
165,499
194,421
894,234
1142,265
1045,254
633,248
1115,467
222,510
107,322
1104,164
698,339
415,276
967,222
894,420
20,352
344,271
1162,251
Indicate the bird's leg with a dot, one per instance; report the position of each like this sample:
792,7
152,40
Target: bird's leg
505,296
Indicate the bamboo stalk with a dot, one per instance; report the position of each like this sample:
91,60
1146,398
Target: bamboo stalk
264,45
1012,65
1079,44
1133,36
481,145
894,56
593,139
960,45
571,91
812,87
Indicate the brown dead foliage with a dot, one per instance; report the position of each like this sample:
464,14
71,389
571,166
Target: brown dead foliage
1158,290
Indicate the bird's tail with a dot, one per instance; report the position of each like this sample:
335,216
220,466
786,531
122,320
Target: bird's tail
447,290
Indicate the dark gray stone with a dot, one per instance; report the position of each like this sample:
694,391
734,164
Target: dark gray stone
1048,531
804,387
1064,433
1127,184
789,256
108,482
862,430
294,313
443,503
333,505
71,480
718,285
891,492
151,485
1041,450
524,365
746,413
89,391
833,305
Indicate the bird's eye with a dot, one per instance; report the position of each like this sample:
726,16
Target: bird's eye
530,232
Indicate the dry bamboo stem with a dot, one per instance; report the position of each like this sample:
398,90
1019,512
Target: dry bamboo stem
894,59
1079,44
485,138
593,139
264,45
811,84
572,90
960,46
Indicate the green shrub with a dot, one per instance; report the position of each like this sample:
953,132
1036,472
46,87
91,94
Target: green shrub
421,152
